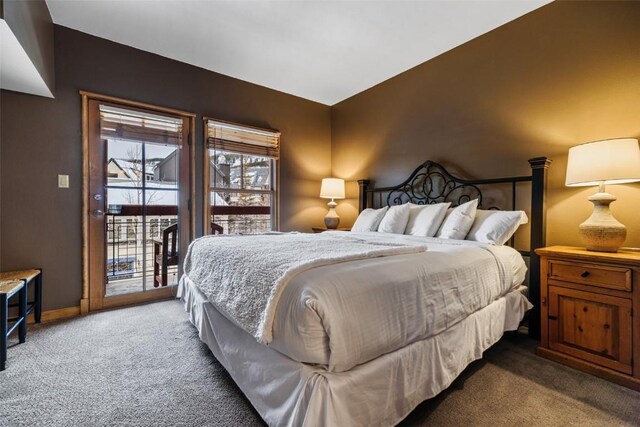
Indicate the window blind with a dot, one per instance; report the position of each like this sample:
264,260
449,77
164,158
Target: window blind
138,126
243,139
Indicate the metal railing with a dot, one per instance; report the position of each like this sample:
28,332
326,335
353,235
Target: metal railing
243,224
130,251
130,238
242,219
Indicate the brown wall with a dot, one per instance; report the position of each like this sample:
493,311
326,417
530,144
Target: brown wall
565,74
41,137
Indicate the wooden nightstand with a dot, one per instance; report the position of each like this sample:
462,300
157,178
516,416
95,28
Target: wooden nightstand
323,229
588,301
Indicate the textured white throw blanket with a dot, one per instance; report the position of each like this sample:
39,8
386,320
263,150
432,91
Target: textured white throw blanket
244,276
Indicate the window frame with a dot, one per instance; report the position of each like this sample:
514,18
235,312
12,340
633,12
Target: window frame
208,189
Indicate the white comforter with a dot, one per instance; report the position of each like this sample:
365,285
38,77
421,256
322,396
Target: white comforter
348,313
244,276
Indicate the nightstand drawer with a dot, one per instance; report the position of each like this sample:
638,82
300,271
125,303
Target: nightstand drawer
591,274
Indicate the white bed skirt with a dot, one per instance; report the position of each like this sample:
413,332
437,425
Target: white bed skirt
380,392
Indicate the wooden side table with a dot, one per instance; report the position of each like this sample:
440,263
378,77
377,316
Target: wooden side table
323,229
589,304
29,276
8,289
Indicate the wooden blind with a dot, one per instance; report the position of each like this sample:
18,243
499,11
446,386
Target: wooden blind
243,139
137,126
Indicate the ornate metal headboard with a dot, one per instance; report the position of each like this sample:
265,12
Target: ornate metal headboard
432,183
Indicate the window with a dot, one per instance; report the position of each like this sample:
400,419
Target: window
241,178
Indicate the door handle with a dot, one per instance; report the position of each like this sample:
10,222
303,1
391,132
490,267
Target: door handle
98,213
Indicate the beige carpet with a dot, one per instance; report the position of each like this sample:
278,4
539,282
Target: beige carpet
144,366
511,386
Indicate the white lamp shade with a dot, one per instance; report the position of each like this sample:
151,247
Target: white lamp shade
332,188
612,161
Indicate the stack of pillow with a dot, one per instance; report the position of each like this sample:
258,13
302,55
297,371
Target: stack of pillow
439,220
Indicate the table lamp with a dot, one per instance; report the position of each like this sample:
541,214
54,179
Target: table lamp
332,188
613,161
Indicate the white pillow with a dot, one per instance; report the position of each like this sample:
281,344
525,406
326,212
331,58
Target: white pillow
458,221
395,220
369,219
424,220
496,227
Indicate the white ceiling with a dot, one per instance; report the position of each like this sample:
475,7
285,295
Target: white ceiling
325,51
17,72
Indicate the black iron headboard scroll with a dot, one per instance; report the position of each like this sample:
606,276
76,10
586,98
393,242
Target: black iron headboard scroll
432,183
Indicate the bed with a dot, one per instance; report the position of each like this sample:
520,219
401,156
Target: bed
353,339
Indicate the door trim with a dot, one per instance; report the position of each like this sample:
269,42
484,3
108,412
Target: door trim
136,297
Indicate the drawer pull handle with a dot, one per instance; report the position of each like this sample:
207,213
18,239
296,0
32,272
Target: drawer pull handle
553,317
585,274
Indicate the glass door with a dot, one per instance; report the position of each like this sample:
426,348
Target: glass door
138,203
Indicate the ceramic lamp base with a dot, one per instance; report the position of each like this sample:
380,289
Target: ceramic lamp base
332,220
602,232
331,223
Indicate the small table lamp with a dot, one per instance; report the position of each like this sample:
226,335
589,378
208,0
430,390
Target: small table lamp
332,188
613,161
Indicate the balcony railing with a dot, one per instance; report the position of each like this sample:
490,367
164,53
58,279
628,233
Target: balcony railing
130,239
242,219
130,249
